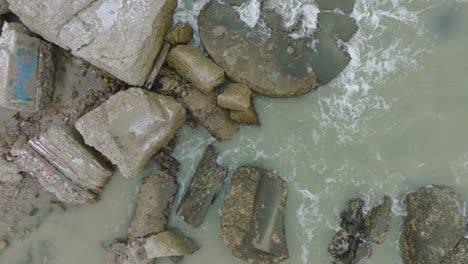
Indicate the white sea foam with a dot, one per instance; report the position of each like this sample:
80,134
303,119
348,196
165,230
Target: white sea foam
249,12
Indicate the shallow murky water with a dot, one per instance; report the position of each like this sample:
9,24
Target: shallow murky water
394,120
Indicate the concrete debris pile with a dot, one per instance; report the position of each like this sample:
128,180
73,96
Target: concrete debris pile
352,243
26,70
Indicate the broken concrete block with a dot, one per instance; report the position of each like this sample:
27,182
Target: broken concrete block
169,243
64,148
235,97
190,62
50,178
220,124
153,205
26,70
131,127
205,184
252,224
181,34
9,172
131,252
249,117
122,37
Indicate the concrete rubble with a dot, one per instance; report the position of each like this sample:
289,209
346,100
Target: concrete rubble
49,177
131,127
26,70
248,117
169,243
181,34
120,37
235,97
252,222
190,62
204,186
64,148
131,252
153,205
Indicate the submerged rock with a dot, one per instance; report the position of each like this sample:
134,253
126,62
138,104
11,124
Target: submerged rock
26,70
120,37
252,224
50,178
205,184
131,127
434,225
190,62
181,34
377,223
235,97
132,252
284,66
153,205
169,243
64,148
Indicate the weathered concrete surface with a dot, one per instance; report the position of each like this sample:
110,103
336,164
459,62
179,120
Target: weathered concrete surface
153,206
131,127
169,243
26,70
252,220
131,252
235,97
181,34
433,226
190,62
205,184
459,254
249,117
64,148
50,178
377,223
122,37
4,7
212,117
9,172
283,66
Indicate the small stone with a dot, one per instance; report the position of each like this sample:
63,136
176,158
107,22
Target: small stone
236,97
181,34
169,243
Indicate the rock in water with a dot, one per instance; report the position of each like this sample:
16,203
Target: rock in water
50,178
205,184
153,205
169,243
122,37
377,224
352,217
458,255
252,221
64,148
190,62
284,66
131,252
26,70
235,97
131,127
433,226
181,34
249,117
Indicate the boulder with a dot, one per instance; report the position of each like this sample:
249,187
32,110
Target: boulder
26,70
235,97
169,243
252,219
190,62
212,117
205,184
284,65
181,34
459,254
249,117
64,148
122,37
433,226
352,216
377,223
9,172
131,127
153,205
49,177
132,252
